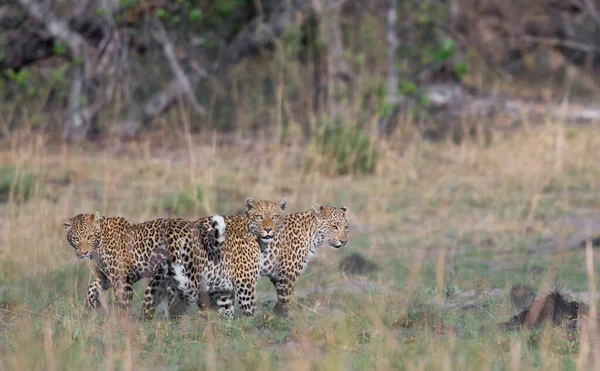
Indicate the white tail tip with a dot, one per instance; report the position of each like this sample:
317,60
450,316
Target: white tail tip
218,223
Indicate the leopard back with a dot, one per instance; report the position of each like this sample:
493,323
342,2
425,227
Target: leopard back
148,246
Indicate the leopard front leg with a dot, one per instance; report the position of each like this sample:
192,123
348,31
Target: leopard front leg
123,293
224,302
178,302
154,290
285,290
245,293
93,293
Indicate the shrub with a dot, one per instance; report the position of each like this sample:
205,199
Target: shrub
344,148
16,185
186,201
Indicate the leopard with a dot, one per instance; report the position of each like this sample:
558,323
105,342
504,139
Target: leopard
232,270
122,252
301,233
180,278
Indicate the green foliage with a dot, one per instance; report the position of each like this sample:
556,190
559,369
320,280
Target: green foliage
407,87
186,201
445,50
125,4
16,185
431,45
184,13
292,41
161,13
57,76
225,7
205,17
387,109
21,78
194,14
344,148
460,69
59,48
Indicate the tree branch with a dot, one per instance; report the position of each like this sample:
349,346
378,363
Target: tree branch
55,27
184,82
258,34
156,105
78,122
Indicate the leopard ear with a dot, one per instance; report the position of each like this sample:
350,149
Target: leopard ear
344,208
97,217
249,204
67,223
282,203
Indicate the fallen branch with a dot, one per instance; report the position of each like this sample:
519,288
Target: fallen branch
455,100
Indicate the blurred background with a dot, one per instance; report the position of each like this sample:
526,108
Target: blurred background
462,134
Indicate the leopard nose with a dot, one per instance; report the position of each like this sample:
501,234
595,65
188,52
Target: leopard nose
268,230
343,242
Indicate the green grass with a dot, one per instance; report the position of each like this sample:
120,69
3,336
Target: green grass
184,202
16,185
474,208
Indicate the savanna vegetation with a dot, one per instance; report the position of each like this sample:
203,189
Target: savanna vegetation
461,134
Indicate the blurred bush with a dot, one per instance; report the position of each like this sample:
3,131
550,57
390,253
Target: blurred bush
184,202
343,148
16,185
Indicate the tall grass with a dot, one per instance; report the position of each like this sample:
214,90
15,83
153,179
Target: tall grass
446,223
440,220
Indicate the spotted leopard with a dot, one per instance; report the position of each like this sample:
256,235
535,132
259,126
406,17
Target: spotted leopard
124,252
232,270
295,244
181,278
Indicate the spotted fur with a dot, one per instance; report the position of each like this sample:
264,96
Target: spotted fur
180,278
295,244
123,252
232,270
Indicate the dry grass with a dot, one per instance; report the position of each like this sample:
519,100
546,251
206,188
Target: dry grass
437,218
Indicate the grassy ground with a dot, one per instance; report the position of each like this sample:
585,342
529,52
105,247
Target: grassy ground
452,228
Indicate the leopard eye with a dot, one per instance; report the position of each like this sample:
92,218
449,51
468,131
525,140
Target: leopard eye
335,227
260,217
275,217
75,239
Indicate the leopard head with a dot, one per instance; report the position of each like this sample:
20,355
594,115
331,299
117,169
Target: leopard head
332,224
83,233
264,217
